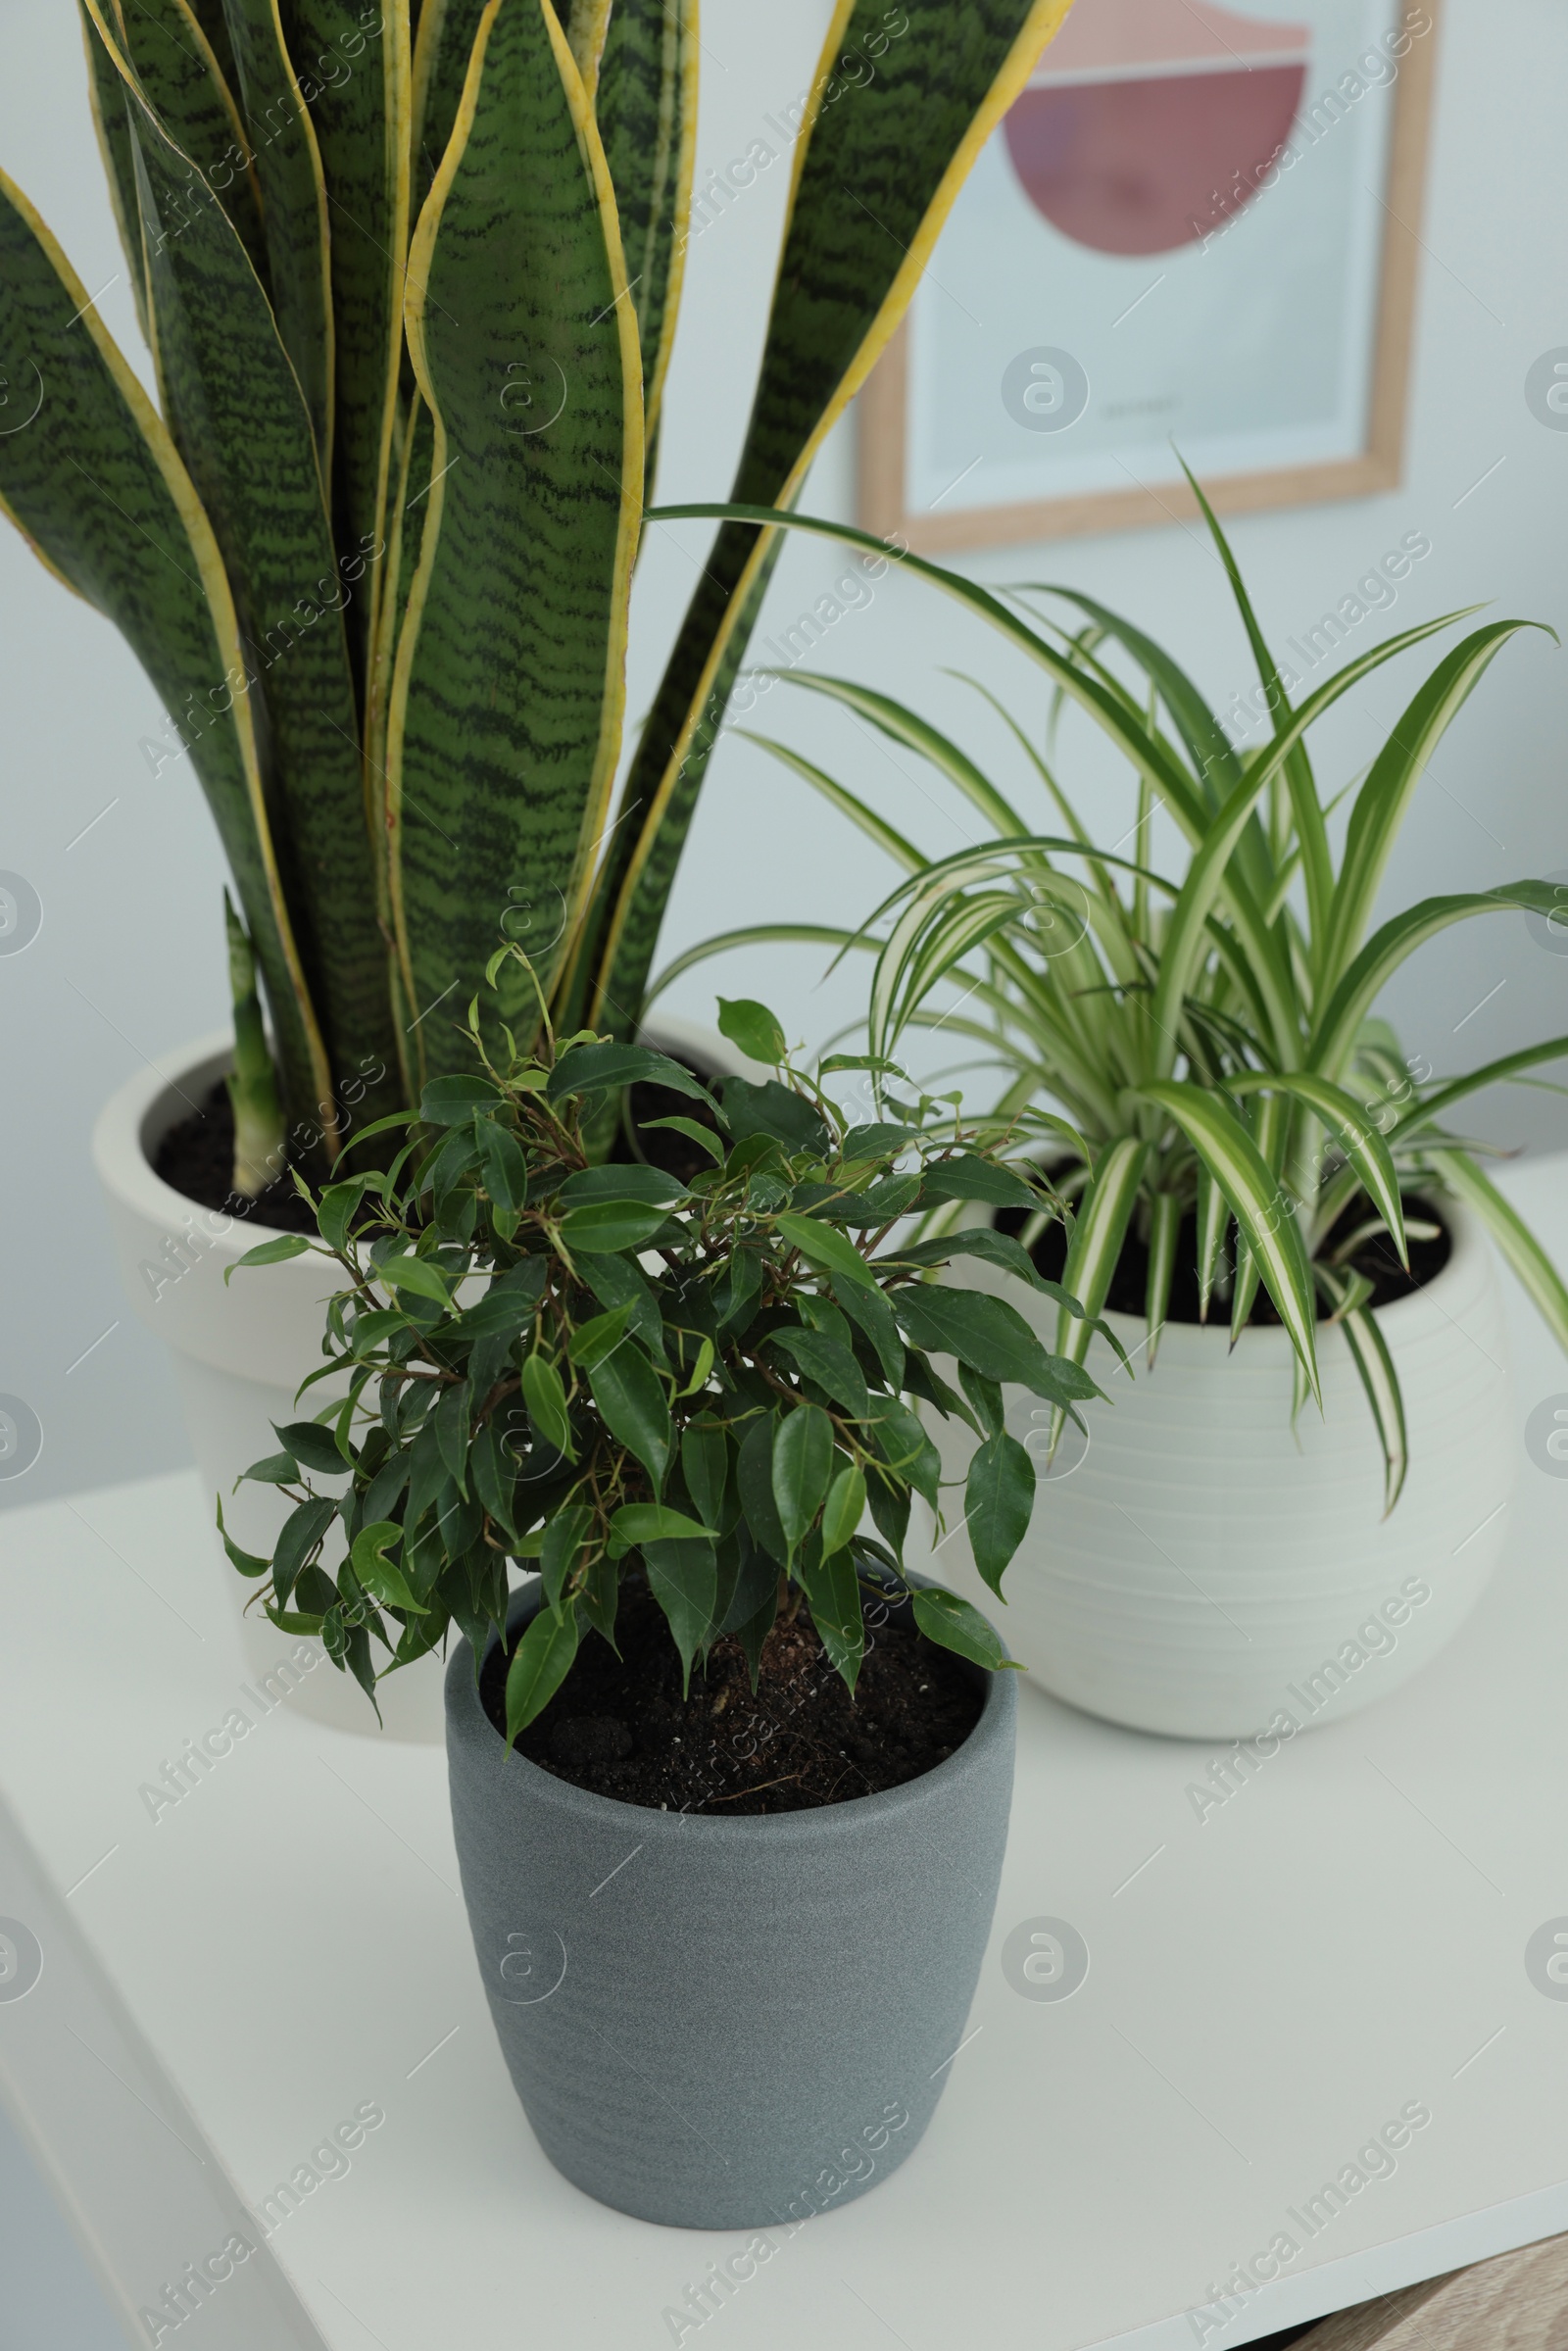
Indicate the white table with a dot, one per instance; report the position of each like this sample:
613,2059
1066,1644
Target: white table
1268,1987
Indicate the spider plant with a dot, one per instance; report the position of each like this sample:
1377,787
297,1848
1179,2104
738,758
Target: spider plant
1206,1040
410,277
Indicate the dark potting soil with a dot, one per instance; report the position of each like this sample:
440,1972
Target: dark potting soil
619,1727
197,1157
1376,1259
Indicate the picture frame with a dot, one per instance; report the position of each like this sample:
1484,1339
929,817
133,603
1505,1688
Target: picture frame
1329,256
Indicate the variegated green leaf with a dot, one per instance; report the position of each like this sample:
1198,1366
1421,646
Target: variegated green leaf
236,412
183,84
277,124
645,106
1360,1139
360,109
1252,1193
1213,1214
442,50
106,98
508,688
1164,1231
878,163
1338,1025
1369,1351
1100,1228
1536,1271
94,482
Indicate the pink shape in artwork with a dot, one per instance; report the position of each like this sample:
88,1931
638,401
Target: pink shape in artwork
1147,121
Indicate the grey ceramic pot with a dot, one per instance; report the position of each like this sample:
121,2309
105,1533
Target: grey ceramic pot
728,2024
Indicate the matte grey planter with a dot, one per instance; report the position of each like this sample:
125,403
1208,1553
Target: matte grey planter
726,2024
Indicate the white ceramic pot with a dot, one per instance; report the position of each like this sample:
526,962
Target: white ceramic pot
239,1353
1201,1571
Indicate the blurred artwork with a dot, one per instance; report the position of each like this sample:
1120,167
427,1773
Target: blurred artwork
1142,112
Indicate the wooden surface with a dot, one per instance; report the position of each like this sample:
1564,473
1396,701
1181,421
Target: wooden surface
1518,2302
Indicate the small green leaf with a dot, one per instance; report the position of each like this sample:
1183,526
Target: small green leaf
704,1465
626,1389
278,1469
753,1028
453,1102
991,1337
683,1577
639,1523
827,1247
502,1162
545,1401
563,1538
246,1561
705,1137
313,1446
873,1316
906,1450
829,1363
833,1590
755,1479
605,1068
303,1529
943,1618
270,1252
803,1463
540,1664
417,1274
999,1501
966,1177
339,1204
597,1339
611,1226
381,1577
451,1423
843,1511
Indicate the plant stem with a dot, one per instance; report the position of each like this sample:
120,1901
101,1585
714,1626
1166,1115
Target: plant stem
258,1132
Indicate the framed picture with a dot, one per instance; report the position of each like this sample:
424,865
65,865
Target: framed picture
1195,230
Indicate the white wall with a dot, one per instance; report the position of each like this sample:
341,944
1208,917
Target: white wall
127,962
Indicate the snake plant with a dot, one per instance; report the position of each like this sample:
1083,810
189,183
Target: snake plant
410,277
1207,1038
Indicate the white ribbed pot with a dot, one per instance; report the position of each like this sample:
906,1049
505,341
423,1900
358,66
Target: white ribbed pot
1201,1571
239,1353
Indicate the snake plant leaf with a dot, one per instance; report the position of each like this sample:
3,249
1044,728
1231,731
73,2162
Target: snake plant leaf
509,690
106,97
209,15
360,113
1369,1352
878,165
1381,803
236,410
183,84
587,21
1251,1191
288,164
645,108
95,483
1538,1275
1360,1139
442,51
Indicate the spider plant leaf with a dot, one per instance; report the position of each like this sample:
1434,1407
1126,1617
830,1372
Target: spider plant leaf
1360,1139
1453,1090
362,124
96,485
505,709
646,107
1537,1274
1251,1192
1270,1125
1098,1232
1369,1351
1166,1211
280,133
760,934
1384,798
240,422
106,98
878,163
875,828
184,84
1334,1037
904,726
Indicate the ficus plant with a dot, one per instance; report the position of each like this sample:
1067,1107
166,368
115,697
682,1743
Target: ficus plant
1201,1042
602,1370
410,277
